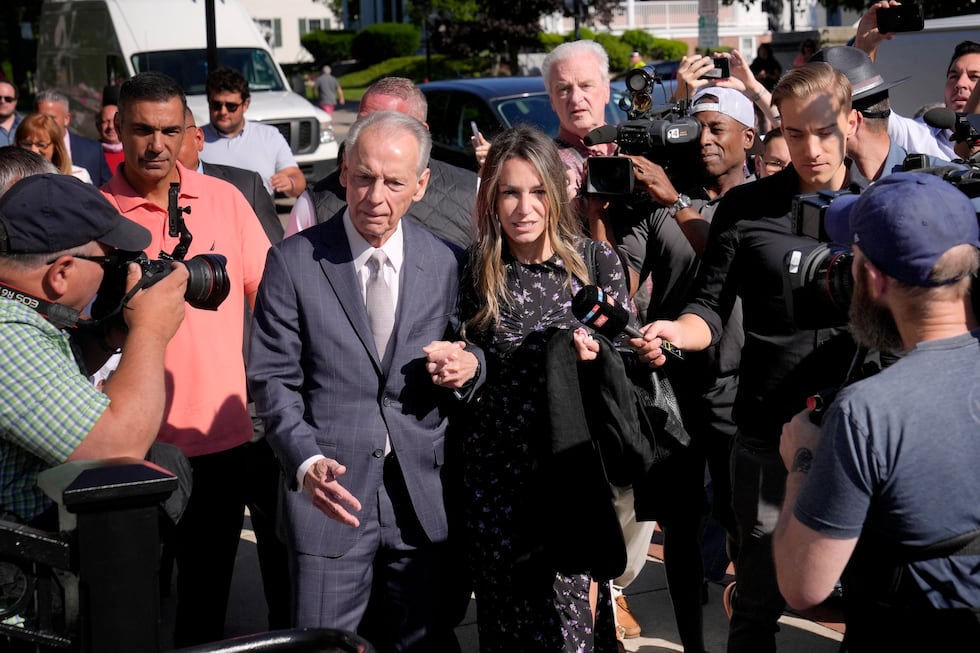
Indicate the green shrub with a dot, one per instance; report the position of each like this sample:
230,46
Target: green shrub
549,40
668,49
639,40
413,68
619,52
328,47
381,41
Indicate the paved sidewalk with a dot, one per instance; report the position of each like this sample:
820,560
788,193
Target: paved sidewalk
647,595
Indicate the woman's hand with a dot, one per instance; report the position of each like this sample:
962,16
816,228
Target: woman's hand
586,347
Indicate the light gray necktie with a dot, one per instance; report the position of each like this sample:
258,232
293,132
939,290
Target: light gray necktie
380,309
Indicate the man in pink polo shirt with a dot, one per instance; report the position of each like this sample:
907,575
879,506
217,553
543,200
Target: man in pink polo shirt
206,404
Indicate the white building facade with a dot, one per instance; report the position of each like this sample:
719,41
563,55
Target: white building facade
283,22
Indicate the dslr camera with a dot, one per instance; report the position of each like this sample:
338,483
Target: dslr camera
819,283
656,132
207,283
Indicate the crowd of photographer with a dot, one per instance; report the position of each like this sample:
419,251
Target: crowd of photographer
762,282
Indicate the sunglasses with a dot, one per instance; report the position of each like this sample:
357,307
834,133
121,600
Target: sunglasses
230,107
8,99
104,261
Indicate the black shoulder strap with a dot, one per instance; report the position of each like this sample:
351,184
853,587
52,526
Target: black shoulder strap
959,545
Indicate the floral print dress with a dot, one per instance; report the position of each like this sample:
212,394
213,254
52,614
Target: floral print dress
523,603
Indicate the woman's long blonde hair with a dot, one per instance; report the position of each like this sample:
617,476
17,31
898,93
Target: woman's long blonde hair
488,271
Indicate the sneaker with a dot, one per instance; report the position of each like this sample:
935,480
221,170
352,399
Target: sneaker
625,621
728,598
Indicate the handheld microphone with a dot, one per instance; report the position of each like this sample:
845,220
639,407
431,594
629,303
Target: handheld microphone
594,308
601,134
940,118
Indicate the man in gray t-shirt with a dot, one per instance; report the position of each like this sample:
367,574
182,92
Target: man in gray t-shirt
890,479
328,91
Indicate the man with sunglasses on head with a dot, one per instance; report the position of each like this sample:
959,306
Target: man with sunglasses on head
57,235
232,140
9,116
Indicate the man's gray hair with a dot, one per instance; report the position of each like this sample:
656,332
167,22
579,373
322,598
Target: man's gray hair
17,163
50,95
389,123
404,88
573,49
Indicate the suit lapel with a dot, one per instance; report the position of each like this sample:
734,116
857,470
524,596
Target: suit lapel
412,287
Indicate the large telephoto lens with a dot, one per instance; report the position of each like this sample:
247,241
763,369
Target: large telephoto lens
207,282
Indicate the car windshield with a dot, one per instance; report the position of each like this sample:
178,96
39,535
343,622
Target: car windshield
532,109
190,67
535,109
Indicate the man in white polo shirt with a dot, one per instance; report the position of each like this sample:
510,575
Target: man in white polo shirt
231,140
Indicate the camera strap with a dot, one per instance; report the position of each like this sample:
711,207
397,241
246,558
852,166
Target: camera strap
59,315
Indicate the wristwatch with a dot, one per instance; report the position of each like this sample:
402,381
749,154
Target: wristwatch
682,202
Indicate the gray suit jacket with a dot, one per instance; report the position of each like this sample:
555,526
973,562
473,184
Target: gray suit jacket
250,184
320,388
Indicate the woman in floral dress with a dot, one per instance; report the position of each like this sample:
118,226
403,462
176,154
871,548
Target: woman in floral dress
526,266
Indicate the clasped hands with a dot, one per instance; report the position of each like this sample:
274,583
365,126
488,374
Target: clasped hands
449,364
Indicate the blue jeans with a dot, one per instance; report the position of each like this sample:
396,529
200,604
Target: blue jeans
758,484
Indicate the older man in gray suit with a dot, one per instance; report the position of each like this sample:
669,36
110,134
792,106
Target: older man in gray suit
353,368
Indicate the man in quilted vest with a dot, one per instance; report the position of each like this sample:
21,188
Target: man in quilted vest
447,207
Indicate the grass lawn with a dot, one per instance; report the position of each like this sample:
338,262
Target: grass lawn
413,67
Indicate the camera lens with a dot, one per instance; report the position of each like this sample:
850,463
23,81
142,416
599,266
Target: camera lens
637,80
207,281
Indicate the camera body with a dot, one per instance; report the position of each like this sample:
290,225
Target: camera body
207,280
207,283
900,18
721,70
818,280
657,132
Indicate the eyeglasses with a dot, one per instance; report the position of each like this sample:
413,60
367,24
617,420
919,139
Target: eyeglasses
26,145
103,261
230,107
774,164
9,99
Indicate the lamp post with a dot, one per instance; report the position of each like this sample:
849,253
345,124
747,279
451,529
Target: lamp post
578,10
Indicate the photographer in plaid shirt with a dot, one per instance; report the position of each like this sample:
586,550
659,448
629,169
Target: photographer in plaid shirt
57,236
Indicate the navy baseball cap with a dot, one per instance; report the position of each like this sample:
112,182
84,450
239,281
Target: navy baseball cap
52,212
903,223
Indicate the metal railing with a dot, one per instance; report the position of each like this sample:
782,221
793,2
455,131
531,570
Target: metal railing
93,587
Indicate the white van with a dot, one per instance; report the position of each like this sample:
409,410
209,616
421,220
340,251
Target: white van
85,45
924,56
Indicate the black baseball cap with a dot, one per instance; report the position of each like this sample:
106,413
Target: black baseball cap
53,212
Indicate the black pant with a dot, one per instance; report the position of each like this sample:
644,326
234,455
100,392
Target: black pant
206,540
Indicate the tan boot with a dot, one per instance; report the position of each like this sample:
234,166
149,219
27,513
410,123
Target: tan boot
627,624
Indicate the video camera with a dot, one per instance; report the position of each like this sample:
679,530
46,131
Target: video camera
819,281
656,132
965,127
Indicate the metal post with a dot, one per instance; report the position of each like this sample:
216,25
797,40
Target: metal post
212,35
113,507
